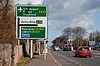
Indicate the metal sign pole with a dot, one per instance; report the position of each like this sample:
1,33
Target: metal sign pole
39,47
28,46
44,49
34,47
18,49
31,49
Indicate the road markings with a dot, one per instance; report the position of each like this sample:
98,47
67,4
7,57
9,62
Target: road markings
68,59
58,63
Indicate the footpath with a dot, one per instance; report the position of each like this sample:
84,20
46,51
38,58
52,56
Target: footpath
39,60
96,53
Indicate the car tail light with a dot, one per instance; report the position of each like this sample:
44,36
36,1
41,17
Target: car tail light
65,47
80,52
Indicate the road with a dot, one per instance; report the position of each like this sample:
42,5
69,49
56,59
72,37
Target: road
67,58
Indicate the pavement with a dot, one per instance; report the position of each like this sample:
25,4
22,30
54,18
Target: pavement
39,60
96,53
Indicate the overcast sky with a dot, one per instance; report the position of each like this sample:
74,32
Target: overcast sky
69,13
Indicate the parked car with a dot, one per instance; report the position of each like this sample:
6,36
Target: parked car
67,47
83,51
56,48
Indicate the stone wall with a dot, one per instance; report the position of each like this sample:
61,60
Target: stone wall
6,53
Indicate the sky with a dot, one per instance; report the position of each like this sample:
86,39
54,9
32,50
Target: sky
69,13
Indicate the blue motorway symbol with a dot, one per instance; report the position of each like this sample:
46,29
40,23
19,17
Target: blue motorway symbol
25,35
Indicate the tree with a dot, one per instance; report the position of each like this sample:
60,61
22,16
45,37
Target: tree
7,22
97,39
76,34
79,32
94,35
67,32
59,41
82,42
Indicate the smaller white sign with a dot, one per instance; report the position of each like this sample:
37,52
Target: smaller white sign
33,20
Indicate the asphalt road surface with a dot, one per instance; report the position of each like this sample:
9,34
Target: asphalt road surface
67,58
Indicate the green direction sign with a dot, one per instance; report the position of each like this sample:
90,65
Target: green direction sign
32,32
32,11
31,22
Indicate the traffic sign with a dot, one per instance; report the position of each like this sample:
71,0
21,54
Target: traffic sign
31,11
31,21
91,42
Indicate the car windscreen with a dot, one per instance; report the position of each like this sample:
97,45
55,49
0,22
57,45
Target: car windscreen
67,46
56,46
84,48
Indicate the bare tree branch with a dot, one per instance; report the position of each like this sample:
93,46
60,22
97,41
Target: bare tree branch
7,22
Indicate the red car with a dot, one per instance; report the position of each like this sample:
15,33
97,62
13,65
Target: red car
83,51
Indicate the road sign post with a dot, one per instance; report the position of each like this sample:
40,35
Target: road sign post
18,50
28,46
31,48
44,48
39,47
31,22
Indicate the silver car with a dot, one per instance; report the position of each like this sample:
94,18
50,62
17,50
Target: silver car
56,48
